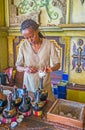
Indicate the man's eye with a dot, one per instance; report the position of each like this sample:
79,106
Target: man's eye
27,37
32,36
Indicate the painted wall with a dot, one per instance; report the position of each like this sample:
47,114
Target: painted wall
3,38
77,46
2,13
69,25
51,11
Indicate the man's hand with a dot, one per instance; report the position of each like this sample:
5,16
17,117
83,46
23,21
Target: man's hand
47,69
31,69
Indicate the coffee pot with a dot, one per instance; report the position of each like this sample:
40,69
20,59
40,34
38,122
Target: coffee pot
43,94
15,97
4,79
24,106
3,99
25,92
10,110
40,94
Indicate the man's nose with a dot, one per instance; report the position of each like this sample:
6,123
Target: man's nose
31,39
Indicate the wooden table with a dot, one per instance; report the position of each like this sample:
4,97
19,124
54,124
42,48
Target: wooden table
38,123
32,122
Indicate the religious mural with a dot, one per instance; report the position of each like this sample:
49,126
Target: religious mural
46,12
77,60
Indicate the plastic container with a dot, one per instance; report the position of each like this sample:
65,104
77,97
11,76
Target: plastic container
54,89
59,90
64,77
60,95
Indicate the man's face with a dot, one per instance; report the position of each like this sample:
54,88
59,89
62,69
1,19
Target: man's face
31,35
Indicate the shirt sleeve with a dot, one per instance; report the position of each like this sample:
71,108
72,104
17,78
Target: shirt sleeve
54,54
20,57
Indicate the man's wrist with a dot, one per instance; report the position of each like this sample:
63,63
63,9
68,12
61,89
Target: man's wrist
51,69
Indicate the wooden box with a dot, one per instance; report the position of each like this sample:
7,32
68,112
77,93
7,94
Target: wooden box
67,112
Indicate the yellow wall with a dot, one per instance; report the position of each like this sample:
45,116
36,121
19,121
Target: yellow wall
2,13
3,52
76,95
3,38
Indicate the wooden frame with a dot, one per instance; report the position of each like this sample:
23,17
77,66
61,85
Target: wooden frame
79,123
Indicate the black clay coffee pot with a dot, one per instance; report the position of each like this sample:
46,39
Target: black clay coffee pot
24,106
15,97
25,92
37,104
10,110
3,99
43,94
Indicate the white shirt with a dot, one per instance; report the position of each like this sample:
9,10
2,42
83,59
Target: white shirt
27,57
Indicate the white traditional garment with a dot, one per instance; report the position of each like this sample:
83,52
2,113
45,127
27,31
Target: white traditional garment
27,57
